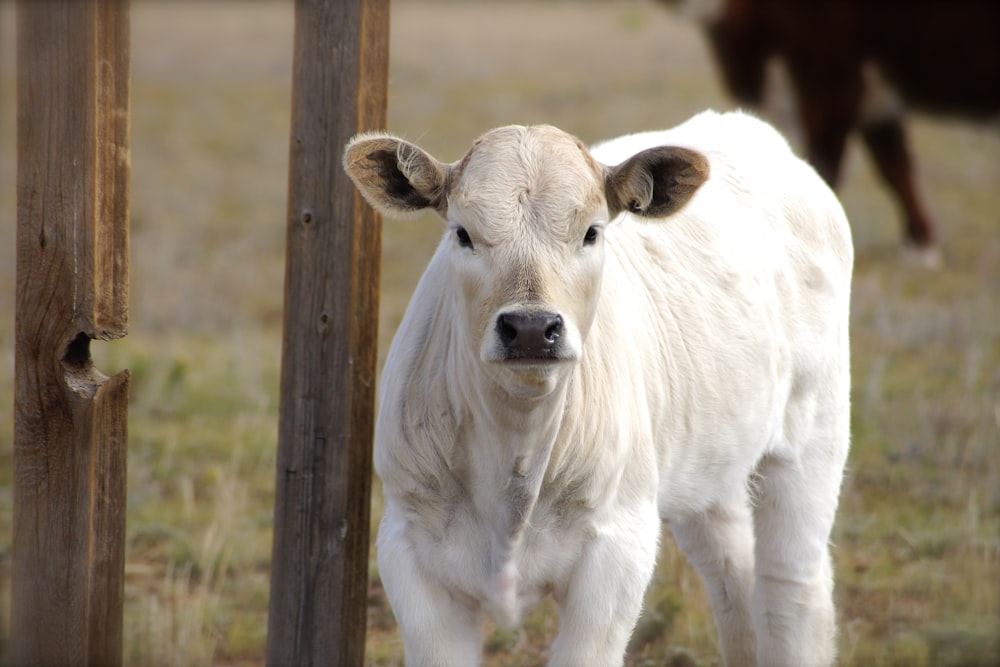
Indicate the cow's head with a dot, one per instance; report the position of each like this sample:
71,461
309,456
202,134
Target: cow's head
527,208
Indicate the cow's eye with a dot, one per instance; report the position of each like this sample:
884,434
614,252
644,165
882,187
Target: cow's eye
590,238
463,237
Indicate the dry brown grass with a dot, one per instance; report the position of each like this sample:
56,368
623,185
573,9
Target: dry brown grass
917,542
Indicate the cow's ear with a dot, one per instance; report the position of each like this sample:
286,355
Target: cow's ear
396,177
656,182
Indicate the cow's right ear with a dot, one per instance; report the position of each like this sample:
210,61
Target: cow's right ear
656,182
397,178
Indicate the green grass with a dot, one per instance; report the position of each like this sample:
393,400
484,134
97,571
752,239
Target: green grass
917,542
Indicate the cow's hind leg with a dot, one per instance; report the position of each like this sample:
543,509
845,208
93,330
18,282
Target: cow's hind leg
883,129
719,543
886,141
796,499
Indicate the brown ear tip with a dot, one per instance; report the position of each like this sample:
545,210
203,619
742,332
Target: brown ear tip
700,162
356,152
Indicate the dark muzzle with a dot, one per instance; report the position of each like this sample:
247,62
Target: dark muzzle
529,334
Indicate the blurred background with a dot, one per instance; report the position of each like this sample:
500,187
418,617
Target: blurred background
917,542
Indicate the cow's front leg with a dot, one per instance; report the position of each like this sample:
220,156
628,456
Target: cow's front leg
603,598
437,629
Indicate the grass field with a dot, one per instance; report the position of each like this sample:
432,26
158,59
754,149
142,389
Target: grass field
917,542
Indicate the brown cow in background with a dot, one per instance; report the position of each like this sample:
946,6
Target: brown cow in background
941,56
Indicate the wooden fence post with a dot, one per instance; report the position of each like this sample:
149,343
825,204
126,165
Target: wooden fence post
319,562
72,287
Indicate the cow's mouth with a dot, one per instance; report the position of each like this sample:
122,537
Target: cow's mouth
529,377
529,357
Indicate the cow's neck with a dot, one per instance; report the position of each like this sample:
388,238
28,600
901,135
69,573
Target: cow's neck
510,442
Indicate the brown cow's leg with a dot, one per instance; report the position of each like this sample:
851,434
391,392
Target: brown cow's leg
828,105
826,129
886,141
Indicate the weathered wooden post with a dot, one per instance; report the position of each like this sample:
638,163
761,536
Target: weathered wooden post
72,287
319,560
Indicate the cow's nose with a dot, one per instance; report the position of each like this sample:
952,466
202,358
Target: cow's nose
529,334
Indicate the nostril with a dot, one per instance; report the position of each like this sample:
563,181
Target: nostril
506,330
554,330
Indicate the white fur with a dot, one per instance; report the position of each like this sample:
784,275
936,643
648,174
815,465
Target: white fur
704,383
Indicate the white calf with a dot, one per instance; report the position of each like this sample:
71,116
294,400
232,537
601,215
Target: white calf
654,330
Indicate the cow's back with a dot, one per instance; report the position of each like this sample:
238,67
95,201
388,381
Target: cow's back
941,56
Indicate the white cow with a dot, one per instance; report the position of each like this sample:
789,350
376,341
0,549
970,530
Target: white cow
655,330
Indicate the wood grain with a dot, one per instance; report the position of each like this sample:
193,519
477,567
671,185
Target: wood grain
320,554
70,421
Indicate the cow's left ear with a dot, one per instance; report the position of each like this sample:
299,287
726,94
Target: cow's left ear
656,182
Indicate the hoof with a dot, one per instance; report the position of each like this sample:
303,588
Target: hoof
923,256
